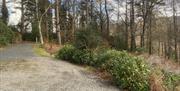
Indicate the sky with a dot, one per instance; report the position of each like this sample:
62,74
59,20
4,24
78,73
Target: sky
15,14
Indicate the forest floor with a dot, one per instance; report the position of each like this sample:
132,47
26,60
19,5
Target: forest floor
162,63
23,70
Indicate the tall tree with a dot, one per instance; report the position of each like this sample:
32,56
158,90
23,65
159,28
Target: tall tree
175,28
132,27
107,19
58,31
4,11
22,17
126,27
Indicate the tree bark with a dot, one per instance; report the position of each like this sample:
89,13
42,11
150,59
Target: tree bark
175,30
126,28
22,18
58,21
39,23
150,34
101,19
132,28
107,18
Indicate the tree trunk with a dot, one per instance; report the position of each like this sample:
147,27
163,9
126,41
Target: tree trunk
145,14
73,21
40,33
39,23
22,18
150,35
4,12
101,19
47,28
58,22
132,28
175,30
143,32
126,28
107,17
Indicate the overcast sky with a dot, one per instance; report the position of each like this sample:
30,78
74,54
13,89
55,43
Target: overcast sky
15,15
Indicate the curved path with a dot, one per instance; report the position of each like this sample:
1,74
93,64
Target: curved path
22,70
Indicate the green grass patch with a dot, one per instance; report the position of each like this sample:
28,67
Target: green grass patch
39,50
171,81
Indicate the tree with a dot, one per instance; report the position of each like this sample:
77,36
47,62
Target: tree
58,31
4,11
175,28
107,20
126,27
22,17
132,27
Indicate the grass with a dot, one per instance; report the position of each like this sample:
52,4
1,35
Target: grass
41,51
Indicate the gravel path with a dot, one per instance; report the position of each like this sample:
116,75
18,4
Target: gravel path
22,70
22,51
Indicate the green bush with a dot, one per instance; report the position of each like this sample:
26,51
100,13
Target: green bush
66,53
171,80
87,38
6,34
82,57
127,71
3,41
74,55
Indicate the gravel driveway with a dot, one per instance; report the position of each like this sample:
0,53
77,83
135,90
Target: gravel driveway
22,70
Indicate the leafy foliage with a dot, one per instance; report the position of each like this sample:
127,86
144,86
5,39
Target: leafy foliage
74,55
82,57
128,72
6,33
3,41
87,38
171,80
66,53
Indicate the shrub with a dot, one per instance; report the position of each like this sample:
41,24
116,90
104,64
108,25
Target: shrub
70,53
66,53
87,38
3,41
171,81
127,71
82,57
6,33
103,56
